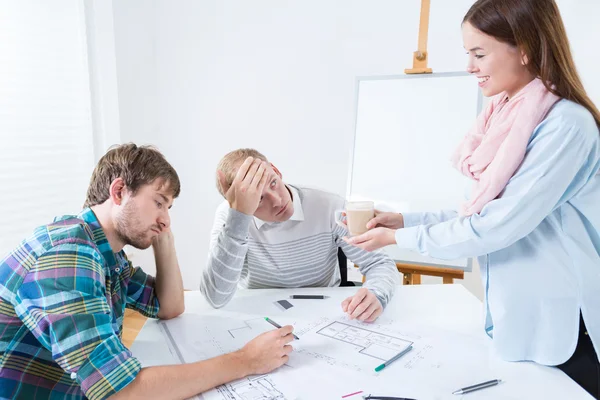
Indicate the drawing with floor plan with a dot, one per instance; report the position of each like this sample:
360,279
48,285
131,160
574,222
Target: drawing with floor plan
252,388
349,344
248,330
340,342
373,344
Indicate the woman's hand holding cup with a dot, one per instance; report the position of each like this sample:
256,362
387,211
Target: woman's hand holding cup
386,220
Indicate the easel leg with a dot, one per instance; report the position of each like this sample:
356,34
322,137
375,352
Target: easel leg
412,278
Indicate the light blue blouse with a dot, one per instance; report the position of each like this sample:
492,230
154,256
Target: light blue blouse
538,243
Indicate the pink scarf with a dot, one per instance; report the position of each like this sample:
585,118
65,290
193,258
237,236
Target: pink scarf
495,147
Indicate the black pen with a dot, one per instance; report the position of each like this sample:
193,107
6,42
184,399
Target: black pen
276,325
479,386
307,296
369,397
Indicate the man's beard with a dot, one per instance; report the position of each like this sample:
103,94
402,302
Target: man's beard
129,230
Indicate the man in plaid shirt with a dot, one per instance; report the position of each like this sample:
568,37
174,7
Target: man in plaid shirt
63,293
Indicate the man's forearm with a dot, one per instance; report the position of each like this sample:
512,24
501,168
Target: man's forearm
186,380
380,271
222,273
228,252
168,283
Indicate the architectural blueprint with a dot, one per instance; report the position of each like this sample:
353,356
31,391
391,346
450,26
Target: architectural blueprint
324,343
260,387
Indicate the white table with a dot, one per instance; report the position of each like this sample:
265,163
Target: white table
449,309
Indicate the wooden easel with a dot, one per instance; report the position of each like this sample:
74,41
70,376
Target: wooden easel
412,272
420,56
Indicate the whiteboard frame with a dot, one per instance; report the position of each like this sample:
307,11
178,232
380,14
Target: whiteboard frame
358,81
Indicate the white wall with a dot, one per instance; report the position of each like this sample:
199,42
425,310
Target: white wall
275,75
581,22
135,50
201,78
100,35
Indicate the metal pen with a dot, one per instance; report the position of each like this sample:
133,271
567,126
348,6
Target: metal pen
369,397
276,325
308,296
479,386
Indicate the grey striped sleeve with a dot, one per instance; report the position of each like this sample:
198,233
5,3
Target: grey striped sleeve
227,251
380,271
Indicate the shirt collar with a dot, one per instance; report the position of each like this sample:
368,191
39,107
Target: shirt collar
98,236
298,214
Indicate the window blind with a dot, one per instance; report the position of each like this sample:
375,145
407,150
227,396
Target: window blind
46,142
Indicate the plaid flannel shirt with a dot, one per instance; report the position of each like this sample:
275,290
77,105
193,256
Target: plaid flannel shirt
63,293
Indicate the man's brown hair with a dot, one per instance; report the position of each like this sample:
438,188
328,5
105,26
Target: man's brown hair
231,162
136,165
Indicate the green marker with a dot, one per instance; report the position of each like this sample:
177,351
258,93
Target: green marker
276,325
391,360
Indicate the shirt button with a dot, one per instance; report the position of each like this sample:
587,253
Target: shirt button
73,375
117,269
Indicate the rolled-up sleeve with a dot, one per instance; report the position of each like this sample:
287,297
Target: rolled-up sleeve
108,369
62,301
141,295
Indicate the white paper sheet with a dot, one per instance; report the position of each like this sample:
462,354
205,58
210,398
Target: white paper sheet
333,346
441,362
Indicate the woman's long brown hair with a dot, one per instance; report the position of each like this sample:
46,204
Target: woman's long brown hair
535,27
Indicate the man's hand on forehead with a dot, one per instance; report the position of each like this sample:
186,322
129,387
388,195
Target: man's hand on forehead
270,174
246,189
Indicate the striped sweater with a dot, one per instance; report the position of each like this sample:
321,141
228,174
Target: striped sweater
246,252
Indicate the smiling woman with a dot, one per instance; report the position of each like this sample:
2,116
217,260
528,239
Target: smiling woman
510,35
533,157
498,65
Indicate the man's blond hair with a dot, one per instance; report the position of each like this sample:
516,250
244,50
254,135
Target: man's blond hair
232,161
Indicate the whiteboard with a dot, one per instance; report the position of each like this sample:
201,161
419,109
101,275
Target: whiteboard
407,128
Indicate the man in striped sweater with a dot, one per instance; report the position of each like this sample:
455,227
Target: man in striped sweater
268,234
